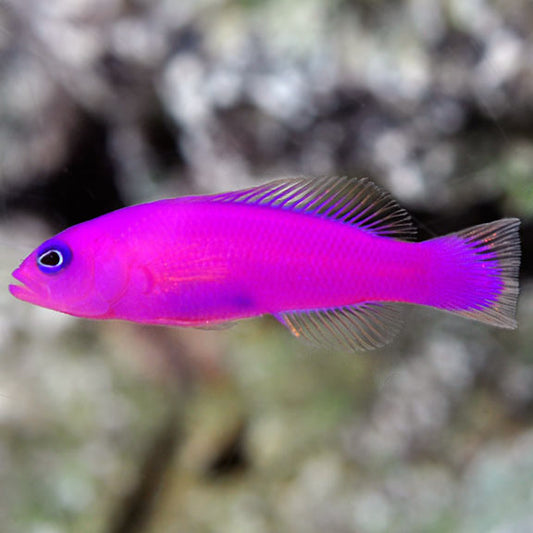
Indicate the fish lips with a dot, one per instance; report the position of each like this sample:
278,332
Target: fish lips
28,291
33,291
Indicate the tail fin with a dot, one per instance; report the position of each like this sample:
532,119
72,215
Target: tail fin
480,266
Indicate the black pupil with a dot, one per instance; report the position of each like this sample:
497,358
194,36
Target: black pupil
51,258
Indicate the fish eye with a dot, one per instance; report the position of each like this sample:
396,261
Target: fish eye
53,257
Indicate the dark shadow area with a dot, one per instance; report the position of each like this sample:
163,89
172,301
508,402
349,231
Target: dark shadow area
82,189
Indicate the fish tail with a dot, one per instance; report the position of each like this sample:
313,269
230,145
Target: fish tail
476,272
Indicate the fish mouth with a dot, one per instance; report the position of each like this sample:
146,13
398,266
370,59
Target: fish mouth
27,290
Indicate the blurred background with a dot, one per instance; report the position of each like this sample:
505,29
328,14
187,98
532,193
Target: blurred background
115,427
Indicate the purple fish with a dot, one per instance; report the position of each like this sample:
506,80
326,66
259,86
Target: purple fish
329,257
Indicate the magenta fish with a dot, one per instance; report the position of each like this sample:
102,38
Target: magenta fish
331,258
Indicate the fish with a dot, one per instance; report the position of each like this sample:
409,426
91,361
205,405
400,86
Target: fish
334,259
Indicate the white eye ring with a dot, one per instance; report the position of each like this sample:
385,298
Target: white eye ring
49,253
52,257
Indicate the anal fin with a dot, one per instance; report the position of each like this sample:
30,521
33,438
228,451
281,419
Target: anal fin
364,326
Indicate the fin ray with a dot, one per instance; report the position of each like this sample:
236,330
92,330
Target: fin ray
364,326
495,248
350,200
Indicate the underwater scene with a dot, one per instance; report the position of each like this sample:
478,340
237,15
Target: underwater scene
329,325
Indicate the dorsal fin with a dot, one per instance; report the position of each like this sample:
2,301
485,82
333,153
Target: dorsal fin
363,326
350,200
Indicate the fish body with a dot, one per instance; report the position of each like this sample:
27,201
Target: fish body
328,257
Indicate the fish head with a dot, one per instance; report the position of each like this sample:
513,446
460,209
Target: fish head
79,272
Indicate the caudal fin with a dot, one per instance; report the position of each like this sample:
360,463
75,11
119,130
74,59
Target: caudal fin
480,270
